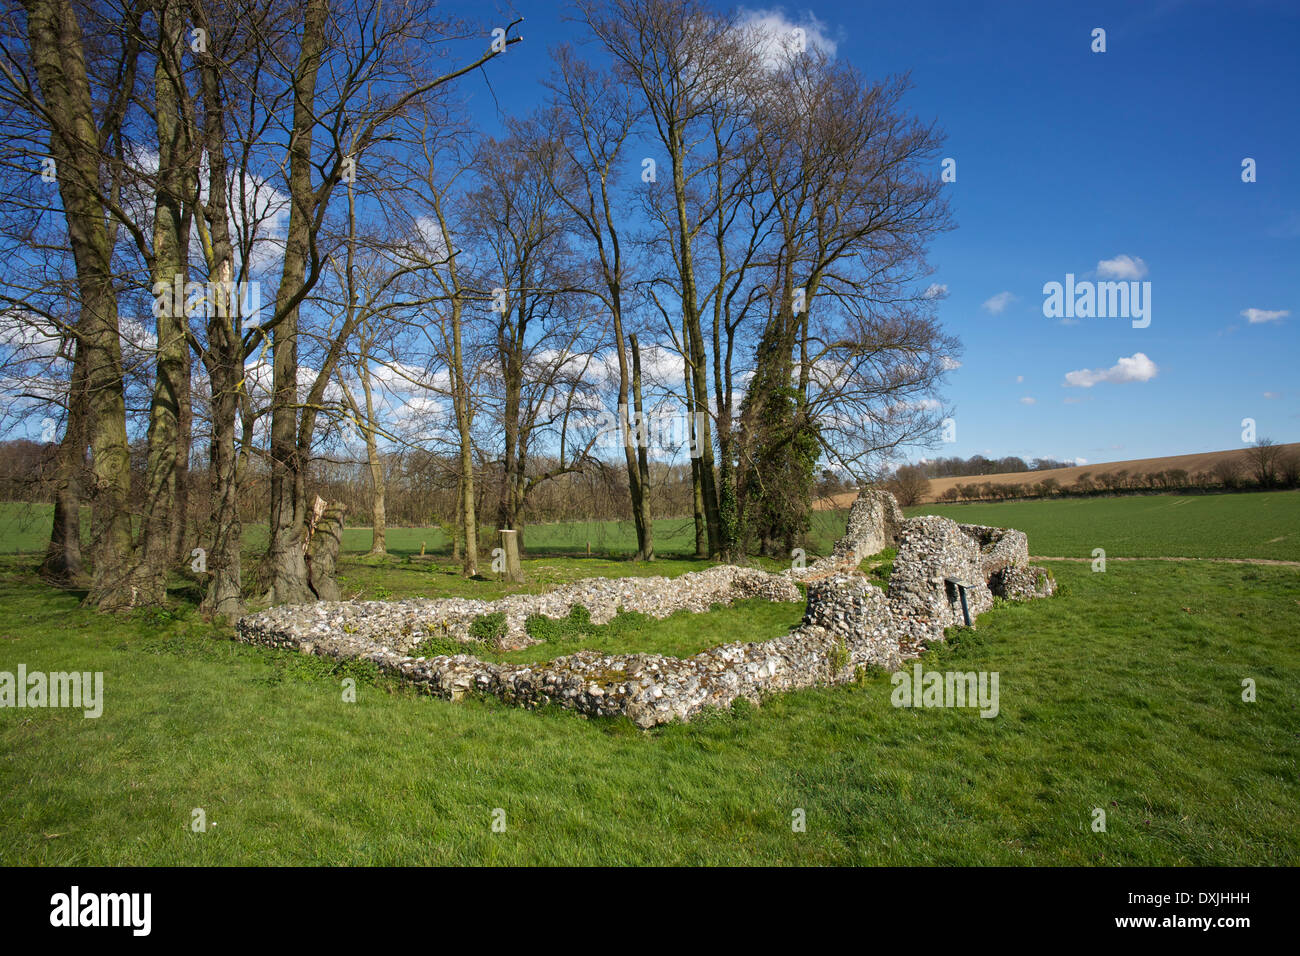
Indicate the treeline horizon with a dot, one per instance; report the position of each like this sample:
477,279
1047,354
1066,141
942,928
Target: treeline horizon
955,466
1263,466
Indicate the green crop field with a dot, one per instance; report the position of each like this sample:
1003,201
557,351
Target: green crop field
1247,525
1123,692
1262,524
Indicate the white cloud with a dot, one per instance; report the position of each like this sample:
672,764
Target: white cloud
1019,379
775,38
1272,394
949,363
662,363
30,336
998,303
1135,368
1081,461
935,290
1122,267
1256,316
1028,400
430,240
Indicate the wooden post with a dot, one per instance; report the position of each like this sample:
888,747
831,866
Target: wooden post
510,565
421,549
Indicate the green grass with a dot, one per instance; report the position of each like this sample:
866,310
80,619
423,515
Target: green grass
1124,692
1247,525
25,528
395,577
1262,524
678,635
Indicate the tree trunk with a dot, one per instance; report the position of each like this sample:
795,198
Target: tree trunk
223,359
460,399
180,530
55,40
378,515
698,407
286,561
513,459
697,486
633,436
225,591
641,497
63,564
163,481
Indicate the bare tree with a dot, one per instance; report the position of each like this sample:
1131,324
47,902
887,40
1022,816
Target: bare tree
366,419
360,109
909,485
544,335
175,191
684,60
1263,459
440,157
593,119
1226,471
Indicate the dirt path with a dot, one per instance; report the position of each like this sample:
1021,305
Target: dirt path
1285,564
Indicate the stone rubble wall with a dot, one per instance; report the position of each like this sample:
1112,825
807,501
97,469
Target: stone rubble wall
404,625
1022,583
875,521
652,689
1004,561
930,549
846,627
849,624
999,547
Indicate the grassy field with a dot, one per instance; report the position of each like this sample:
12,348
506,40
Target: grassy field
1248,525
1124,692
1263,524
25,529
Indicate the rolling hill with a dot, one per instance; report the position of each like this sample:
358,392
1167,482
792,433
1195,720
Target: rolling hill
1192,464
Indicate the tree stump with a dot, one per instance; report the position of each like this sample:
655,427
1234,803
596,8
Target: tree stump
323,551
510,565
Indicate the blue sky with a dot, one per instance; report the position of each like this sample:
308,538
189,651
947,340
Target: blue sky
1066,159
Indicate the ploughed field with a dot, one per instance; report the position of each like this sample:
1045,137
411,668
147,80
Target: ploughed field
1123,692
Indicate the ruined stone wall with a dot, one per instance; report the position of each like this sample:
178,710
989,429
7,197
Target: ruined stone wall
404,625
848,624
999,547
846,627
875,521
931,549
1022,583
